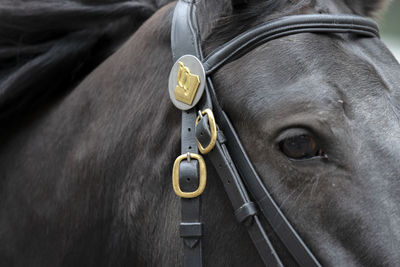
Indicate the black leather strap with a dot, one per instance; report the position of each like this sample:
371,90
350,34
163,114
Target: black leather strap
191,226
314,23
184,31
245,209
184,42
185,36
262,197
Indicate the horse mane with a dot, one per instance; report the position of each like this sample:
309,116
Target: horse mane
48,46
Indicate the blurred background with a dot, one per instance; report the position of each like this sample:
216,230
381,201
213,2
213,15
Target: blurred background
390,27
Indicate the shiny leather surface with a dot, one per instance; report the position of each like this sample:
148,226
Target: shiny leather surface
184,42
315,23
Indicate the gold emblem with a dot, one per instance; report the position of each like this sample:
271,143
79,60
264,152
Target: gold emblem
187,86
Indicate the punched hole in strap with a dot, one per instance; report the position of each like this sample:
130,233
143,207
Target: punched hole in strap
246,211
189,174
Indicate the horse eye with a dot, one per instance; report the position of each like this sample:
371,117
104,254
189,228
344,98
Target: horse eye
300,147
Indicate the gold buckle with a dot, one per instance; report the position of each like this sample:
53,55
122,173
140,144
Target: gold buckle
175,176
213,129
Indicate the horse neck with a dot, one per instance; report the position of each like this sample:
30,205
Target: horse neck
142,135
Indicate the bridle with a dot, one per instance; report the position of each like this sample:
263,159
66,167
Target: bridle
206,127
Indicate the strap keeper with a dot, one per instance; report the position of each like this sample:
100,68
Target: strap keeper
194,229
248,209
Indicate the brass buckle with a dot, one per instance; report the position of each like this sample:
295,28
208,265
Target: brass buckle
175,176
213,129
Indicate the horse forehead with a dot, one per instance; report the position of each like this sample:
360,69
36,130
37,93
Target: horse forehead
375,65
316,71
370,81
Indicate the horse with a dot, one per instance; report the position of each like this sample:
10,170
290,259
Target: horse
86,171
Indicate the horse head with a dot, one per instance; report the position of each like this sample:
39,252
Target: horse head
86,179
319,117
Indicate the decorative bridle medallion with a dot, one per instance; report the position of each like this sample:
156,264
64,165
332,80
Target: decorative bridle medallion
187,85
186,82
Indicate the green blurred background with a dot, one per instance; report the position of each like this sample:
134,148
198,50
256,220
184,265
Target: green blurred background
390,27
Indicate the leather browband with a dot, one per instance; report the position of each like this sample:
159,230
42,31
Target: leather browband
314,23
228,156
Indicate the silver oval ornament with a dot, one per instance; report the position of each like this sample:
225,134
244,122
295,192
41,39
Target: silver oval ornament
186,82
